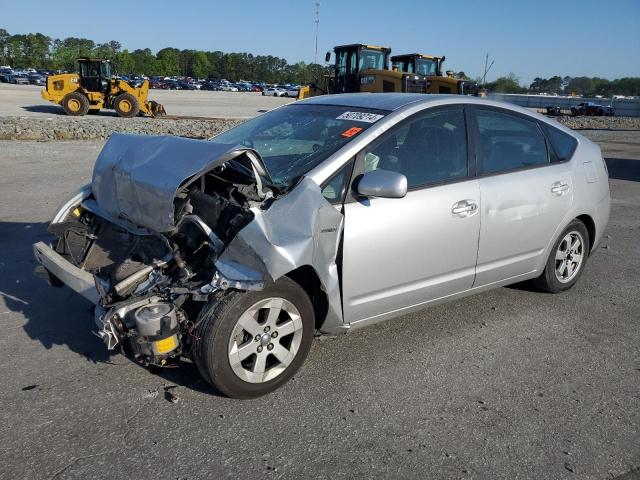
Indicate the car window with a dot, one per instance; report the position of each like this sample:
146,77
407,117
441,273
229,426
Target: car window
563,144
428,148
334,189
507,142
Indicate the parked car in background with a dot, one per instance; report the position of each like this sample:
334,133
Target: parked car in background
592,109
274,91
291,92
18,79
328,215
37,79
228,87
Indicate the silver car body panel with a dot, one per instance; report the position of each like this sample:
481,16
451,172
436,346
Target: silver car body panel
297,230
417,262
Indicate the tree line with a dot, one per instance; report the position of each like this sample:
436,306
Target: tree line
556,85
36,50
40,51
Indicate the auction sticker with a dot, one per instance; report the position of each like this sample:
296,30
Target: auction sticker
360,117
351,132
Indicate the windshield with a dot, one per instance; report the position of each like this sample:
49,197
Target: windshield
293,140
371,59
426,67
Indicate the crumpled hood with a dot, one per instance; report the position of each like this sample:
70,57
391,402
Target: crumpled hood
136,177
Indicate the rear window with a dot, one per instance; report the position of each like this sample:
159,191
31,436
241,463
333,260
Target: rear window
563,145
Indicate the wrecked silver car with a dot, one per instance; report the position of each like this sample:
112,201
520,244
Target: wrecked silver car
324,215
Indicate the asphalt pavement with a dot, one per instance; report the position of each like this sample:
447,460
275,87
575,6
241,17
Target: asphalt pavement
508,384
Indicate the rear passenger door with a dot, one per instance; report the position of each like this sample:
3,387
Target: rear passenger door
524,196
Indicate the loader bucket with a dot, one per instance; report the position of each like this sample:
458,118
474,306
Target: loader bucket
156,109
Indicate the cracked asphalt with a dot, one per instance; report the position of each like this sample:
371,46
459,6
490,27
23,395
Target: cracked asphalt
508,384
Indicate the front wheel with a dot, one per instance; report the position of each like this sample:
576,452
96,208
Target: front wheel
75,104
567,259
250,343
126,105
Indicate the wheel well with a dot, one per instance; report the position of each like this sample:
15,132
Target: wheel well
591,228
308,279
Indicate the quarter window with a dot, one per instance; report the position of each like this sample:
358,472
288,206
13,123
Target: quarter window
428,148
334,190
562,144
507,142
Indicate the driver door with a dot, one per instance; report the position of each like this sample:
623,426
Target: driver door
401,253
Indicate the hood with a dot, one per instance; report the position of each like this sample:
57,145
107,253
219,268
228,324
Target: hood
136,177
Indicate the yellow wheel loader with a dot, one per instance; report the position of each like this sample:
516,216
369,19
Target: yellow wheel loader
430,68
95,88
365,68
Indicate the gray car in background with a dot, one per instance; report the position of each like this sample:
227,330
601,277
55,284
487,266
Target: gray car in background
325,215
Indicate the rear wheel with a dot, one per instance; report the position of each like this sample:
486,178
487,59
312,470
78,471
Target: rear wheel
75,103
126,105
567,259
250,343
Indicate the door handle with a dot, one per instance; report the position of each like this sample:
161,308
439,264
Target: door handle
559,188
464,208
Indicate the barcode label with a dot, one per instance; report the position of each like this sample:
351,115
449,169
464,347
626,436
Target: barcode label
360,117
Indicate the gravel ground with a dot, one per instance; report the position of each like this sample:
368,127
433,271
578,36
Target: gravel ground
590,123
91,128
507,384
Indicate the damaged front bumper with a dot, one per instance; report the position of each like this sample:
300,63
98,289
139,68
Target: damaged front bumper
76,279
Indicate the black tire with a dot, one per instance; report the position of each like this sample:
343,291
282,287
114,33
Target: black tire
75,104
126,105
216,324
548,281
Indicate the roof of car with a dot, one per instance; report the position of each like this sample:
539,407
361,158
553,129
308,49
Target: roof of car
381,101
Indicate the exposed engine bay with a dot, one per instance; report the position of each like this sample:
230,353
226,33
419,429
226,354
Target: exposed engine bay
157,233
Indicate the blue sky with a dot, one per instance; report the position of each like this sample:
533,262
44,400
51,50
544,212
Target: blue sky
528,38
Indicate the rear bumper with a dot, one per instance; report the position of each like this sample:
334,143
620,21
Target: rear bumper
76,279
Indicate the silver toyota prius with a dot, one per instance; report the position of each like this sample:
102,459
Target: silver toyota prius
322,216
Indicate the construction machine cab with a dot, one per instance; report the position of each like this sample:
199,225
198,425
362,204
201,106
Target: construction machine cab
352,60
95,74
426,65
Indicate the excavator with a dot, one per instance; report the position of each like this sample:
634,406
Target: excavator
365,68
95,88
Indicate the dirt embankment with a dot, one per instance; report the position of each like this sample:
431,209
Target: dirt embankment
100,127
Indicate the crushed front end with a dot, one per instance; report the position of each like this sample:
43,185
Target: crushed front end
142,241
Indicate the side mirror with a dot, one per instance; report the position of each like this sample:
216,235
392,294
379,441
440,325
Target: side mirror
382,183
327,57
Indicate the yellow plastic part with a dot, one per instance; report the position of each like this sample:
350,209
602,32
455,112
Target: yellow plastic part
166,344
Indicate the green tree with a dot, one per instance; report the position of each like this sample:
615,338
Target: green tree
169,61
508,84
200,65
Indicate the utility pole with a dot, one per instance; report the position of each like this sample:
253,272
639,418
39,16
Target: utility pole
315,59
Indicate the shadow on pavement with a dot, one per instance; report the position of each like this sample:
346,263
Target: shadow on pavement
57,110
53,316
59,316
623,169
